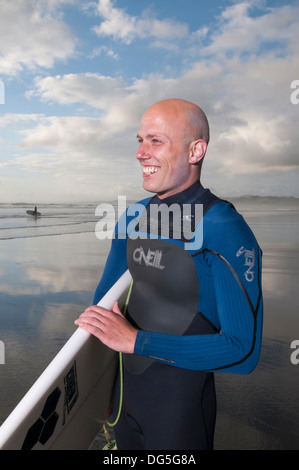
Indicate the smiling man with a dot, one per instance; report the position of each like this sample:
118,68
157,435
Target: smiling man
173,140
193,309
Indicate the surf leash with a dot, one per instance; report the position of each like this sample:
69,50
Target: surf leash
111,444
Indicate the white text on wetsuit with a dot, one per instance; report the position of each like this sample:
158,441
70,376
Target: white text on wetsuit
151,258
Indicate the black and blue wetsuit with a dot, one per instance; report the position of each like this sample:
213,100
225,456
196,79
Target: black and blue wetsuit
197,304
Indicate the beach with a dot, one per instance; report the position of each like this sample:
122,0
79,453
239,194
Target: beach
50,267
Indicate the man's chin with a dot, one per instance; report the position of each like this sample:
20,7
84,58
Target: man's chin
149,187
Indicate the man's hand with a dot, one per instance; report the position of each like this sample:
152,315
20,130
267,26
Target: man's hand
110,327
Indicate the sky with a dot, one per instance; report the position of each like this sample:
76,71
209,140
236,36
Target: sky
77,75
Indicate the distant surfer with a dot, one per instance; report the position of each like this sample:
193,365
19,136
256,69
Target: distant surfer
192,312
34,213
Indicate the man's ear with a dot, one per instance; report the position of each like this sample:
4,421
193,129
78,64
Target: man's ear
197,151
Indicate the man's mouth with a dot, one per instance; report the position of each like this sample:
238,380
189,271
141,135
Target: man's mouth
149,170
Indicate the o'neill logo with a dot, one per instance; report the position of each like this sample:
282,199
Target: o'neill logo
151,258
249,256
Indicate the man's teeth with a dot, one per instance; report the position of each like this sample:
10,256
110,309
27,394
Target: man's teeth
148,170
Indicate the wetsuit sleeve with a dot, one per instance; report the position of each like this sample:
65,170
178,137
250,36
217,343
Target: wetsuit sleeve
234,261
115,266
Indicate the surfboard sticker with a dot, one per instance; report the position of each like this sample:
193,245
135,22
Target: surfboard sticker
44,426
71,388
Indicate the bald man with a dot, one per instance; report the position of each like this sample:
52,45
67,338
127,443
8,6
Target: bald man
196,302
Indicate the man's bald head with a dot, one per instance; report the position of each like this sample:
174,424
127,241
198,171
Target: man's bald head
193,120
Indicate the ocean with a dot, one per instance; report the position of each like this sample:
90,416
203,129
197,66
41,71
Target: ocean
56,219
50,267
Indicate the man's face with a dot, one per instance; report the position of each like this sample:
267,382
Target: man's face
162,153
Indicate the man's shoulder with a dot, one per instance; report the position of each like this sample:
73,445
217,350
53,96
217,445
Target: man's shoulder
224,225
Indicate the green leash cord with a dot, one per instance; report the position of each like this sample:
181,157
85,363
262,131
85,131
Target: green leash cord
111,444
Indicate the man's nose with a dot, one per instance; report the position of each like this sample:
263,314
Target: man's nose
142,152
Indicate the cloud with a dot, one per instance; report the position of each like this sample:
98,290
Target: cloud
98,51
78,157
243,86
90,88
11,118
238,31
33,35
116,100
233,96
120,25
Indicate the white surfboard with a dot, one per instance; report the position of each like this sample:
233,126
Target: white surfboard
71,400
